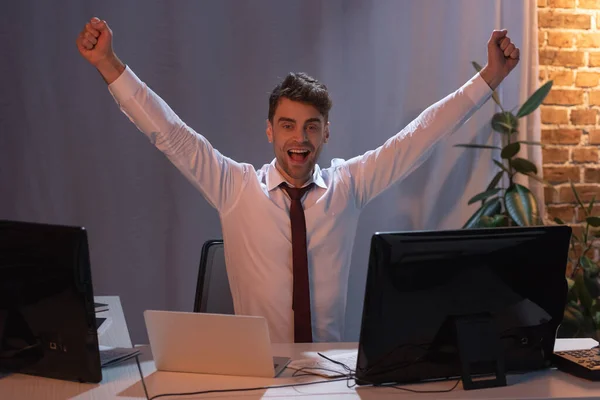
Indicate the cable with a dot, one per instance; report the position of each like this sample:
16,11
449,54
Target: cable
137,360
347,377
389,385
243,389
347,368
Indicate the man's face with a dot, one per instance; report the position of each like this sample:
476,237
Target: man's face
298,132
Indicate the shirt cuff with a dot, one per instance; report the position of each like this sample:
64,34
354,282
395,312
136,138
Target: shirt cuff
125,85
478,90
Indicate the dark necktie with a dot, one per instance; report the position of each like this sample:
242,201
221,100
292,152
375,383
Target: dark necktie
301,294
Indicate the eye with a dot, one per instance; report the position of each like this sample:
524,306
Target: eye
287,126
312,128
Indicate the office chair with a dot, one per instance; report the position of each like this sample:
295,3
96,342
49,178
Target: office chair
213,294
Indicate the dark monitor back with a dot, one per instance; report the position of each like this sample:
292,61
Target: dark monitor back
47,318
418,283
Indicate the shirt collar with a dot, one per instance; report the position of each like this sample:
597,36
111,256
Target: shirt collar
274,178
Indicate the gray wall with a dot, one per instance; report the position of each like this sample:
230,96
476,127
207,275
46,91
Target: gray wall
68,156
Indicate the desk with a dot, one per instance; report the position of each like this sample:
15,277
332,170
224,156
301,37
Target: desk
123,381
548,384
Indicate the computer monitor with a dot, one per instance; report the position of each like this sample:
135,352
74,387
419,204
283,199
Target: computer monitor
47,318
462,303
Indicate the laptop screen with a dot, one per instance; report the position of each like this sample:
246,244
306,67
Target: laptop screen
47,318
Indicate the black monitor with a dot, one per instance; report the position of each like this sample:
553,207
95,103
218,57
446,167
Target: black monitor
47,318
462,303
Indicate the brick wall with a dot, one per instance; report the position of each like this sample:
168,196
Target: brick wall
569,54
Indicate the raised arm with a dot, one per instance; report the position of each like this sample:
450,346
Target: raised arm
376,170
218,178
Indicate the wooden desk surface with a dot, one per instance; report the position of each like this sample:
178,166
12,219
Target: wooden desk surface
548,384
123,381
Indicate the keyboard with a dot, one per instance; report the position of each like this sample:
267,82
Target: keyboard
582,363
112,355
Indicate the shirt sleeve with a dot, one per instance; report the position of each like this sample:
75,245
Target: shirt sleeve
219,178
376,170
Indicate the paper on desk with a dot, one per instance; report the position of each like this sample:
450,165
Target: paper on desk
318,365
102,324
100,307
566,344
114,355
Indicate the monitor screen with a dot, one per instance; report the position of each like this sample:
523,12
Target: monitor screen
47,318
422,287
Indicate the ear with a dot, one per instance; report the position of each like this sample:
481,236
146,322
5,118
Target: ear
326,133
269,131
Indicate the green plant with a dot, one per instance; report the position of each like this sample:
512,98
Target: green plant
582,312
511,203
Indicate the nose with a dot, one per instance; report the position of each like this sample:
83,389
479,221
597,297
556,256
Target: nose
301,135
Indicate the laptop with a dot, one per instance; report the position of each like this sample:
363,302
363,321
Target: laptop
47,319
217,344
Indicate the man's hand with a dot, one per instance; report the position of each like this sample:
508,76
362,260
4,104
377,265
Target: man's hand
95,45
503,57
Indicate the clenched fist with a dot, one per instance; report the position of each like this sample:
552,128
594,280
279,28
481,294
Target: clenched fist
95,45
503,57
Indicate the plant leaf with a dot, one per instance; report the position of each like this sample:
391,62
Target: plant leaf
596,306
571,294
590,270
494,222
523,166
494,93
483,195
535,100
586,263
530,142
577,195
591,206
498,163
540,180
583,295
559,221
495,180
477,146
489,208
521,205
573,315
510,150
505,122
593,221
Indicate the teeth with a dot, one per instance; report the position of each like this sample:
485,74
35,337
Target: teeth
298,151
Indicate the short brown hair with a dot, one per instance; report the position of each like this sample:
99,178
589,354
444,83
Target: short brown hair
303,88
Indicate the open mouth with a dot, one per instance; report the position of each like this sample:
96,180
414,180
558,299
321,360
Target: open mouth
298,155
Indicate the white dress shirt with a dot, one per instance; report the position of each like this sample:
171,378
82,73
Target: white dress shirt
254,211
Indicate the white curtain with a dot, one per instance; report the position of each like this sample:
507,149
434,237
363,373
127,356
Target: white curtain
530,128
68,156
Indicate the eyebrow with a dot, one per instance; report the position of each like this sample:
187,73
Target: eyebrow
308,121
286,119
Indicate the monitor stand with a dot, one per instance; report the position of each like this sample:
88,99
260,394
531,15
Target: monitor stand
478,343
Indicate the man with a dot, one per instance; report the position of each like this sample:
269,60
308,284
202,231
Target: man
289,227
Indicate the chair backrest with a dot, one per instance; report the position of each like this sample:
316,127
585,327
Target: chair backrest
213,294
